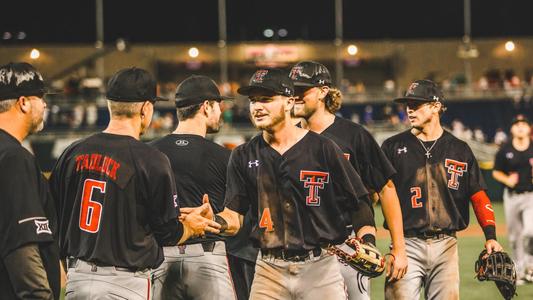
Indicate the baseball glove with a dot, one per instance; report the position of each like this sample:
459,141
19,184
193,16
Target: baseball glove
365,258
500,268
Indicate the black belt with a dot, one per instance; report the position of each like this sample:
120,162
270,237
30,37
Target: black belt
73,261
429,234
291,255
208,246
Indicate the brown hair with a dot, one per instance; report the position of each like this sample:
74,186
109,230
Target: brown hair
333,100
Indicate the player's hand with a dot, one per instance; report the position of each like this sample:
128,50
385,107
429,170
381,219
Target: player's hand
396,265
199,225
512,180
204,210
493,245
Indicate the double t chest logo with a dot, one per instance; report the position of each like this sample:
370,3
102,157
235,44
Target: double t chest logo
456,169
314,180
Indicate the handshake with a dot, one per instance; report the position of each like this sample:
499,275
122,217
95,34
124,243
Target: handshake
197,221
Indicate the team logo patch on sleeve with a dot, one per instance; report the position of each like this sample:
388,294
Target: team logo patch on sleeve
42,226
314,181
455,169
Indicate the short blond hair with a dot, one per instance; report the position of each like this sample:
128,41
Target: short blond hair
6,105
124,109
333,100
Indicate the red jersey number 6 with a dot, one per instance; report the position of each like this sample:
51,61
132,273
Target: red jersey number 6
415,203
91,211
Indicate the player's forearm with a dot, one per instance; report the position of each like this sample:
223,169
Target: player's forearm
502,178
233,221
484,214
390,205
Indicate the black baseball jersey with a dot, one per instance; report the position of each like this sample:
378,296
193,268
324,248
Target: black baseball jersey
434,193
27,214
199,167
297,199
116,200
509,160
364,154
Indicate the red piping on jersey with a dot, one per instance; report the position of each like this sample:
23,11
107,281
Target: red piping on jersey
148,293
483,209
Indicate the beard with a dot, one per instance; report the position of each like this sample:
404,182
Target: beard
37,123
303,111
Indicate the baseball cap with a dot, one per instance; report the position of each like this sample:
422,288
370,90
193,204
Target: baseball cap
310,73
270,79
196,89
20,79
132,85
520,118
422,90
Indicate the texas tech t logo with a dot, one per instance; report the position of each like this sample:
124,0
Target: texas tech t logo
314,180
456,169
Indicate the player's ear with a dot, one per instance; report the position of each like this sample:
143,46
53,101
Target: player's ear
289,103
324,90
24,104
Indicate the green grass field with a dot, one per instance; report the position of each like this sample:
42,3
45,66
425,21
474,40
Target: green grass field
469,249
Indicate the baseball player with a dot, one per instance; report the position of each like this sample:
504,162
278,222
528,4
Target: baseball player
316,103
297,185
513,168
29,264
117,201
198,269
437,175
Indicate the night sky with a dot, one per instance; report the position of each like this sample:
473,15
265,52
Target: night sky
181,20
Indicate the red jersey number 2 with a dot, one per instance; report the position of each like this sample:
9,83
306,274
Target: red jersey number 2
415,198
266,220
90,210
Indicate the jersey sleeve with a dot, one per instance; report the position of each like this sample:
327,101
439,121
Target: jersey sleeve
23,218
476,182
376,168
500,163
218,186
344,175
237,197
163,203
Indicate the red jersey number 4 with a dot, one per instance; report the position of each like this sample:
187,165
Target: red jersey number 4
90,210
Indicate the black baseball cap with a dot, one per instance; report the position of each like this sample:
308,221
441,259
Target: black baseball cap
310,74
21,79
269,79
132,85
196,89
520,118
423,91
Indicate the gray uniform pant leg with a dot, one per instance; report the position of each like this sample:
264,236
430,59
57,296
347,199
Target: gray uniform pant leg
433,266
518,214
357,285
190,273
87,282
316,278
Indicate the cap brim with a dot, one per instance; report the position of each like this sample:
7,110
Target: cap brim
247,90
303,84
407,99
225,98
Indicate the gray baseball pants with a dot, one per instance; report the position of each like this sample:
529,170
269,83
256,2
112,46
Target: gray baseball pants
433,267
189,272
315,278
519,218
86,281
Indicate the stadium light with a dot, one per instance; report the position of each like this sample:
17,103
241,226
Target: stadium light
509,46
268,33
352,50
34,54
283,32
194,52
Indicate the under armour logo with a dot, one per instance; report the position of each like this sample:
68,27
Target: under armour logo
42,227
253,163
402,150
182,143
321,81
435,98
288,91
509,155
